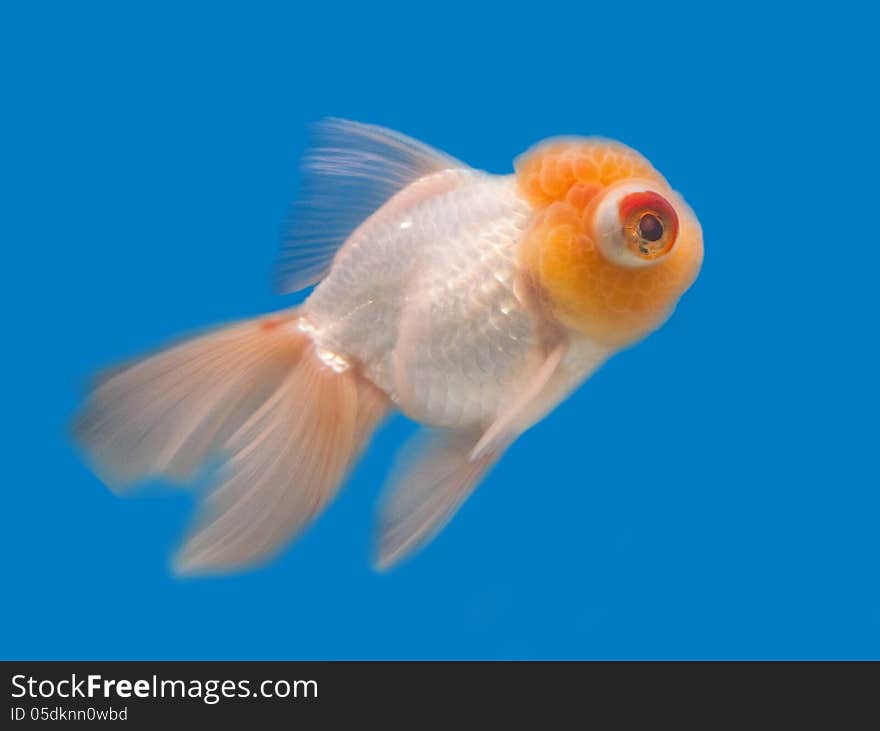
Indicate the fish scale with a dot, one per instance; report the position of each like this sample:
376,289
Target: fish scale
446,263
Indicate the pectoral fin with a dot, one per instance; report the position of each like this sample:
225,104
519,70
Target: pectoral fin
521,413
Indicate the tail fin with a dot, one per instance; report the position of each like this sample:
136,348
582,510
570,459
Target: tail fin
254,393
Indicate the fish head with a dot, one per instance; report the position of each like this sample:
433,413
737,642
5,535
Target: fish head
610,247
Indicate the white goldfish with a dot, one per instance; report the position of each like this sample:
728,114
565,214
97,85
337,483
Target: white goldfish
473,303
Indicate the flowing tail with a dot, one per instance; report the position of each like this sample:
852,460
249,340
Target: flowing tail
257,394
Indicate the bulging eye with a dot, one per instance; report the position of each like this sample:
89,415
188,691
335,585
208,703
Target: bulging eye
636,225
649,222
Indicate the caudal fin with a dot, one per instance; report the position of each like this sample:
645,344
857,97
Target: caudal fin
255,394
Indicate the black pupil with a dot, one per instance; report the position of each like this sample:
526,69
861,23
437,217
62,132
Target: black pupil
650,227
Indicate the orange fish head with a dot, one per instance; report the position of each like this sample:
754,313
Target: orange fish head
611,247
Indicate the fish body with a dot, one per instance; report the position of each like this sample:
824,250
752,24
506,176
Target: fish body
424,296
435,321
473,303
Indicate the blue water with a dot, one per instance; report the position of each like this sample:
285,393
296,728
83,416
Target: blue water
711,493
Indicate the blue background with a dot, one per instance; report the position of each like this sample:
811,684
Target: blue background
711,493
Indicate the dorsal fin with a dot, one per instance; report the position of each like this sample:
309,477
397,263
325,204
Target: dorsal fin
350,171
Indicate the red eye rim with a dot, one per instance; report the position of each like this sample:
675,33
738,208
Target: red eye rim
634,208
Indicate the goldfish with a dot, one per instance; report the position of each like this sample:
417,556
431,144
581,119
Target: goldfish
471,302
